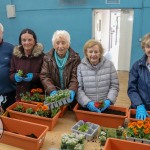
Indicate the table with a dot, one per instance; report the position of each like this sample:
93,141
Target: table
53,138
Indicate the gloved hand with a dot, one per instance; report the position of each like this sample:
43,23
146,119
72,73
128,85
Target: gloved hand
91,107
53,93
18,78
106,105
72,95
141,112
28,78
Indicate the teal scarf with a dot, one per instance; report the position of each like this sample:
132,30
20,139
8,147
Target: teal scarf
61,64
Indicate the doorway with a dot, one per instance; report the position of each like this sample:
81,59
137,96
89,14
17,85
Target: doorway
113,28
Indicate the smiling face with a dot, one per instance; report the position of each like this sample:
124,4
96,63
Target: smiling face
61,46
93,54
28,43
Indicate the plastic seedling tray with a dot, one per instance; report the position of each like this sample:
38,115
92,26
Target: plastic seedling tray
58,103
92,131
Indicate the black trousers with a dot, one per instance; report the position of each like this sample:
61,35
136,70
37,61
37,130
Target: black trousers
8,99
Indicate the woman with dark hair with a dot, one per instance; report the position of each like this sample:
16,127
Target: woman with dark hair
27,57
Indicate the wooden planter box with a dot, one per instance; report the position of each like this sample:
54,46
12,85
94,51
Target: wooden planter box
102,119
117,144
131,113
15,132
50,122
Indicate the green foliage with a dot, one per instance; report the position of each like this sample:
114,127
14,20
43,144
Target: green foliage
54,111
33,96
29,111
20,73
59,96
19,108
84,127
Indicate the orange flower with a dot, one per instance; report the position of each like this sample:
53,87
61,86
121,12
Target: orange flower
39,106
139,129
45,108
146,131
135,131
140,124
38,90
131,124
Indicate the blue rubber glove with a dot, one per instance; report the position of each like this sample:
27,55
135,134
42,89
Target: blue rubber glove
18,78
141,112
53,93
91,107
106,105
72,95
28,78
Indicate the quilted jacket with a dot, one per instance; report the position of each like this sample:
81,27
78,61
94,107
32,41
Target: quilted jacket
98,82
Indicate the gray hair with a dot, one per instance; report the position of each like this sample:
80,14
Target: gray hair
145,41
1,27
61,33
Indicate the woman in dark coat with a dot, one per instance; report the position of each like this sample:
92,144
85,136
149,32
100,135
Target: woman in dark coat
27,57
59,69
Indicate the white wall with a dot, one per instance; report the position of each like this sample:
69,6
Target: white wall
105,27
126,25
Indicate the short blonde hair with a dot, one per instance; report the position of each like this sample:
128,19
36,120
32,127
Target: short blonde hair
1,27
61,33
90,43
145,41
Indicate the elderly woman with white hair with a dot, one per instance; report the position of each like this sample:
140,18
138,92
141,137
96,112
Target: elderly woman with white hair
59,69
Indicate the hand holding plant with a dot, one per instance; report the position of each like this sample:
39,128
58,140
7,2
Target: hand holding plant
21,74
99,104
61,94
